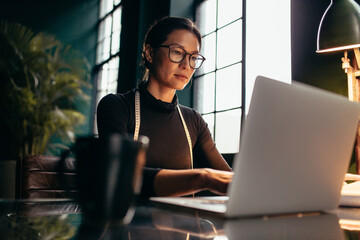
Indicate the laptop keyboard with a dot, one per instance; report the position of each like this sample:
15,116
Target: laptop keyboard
208,200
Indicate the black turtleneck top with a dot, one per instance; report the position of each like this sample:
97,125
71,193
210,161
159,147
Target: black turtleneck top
161,122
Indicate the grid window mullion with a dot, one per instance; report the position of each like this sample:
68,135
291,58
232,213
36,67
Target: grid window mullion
226,71
108,47
216,65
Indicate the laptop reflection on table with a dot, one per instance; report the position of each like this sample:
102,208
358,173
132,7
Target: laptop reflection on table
321,226
296,146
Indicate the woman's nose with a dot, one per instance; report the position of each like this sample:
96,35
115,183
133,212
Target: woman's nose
185,63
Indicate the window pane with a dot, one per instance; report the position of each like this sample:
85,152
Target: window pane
209,119
98,83
102,30
227,131
206,14
112,86
116,2
229,44
115,41
103,48
106,49
99,52
228,11
105,7
117,19
113,74
108,75
104,76
228,87
204,90
276,63
208,50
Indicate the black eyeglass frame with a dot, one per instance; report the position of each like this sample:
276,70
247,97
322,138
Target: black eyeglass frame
186,53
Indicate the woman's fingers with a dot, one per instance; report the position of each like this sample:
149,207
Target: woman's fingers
218,181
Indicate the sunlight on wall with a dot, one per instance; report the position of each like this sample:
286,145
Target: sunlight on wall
268,42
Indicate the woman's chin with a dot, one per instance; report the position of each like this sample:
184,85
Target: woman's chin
181,85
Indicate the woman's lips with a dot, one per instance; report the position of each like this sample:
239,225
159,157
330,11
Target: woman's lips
181,76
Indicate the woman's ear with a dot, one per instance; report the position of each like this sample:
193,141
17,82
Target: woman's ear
149,53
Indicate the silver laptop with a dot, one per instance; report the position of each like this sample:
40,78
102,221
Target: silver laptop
295,149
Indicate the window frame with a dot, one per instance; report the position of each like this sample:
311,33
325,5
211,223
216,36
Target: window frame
111,56
242,62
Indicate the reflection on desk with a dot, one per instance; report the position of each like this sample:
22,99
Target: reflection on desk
349,218
41,219
315,226
63,220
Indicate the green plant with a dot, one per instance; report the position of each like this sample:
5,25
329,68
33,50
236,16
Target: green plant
41,81
59,227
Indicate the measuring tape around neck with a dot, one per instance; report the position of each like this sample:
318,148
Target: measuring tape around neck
137,125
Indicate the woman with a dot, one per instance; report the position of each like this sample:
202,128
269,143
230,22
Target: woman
171,55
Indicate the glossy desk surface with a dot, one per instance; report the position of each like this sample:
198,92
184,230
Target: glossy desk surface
51,219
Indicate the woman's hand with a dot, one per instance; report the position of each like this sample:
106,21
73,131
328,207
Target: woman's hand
170,182
217,181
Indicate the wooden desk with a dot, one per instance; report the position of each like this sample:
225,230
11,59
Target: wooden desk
62,220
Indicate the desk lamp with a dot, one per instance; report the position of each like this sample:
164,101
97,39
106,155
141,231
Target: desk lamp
339,30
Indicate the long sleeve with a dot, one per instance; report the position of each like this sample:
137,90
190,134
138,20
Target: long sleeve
147,189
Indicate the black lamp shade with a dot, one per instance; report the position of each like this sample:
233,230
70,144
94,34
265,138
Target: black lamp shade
339,28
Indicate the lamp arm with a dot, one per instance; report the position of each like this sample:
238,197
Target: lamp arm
346,62
351,77
357,56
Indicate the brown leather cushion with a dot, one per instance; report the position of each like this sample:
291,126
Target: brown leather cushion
38,193
38,177
45,208
46,163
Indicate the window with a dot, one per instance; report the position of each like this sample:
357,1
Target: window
218,85
108,47
268,42
223,85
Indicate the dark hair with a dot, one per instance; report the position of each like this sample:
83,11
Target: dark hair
160,30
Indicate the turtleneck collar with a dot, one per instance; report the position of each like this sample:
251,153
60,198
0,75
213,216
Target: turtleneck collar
158,104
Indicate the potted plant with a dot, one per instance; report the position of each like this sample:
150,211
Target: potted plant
41,82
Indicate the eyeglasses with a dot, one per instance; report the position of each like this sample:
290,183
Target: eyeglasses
177,54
